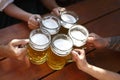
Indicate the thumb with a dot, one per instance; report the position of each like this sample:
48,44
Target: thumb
78,54
75,55
16,42
90,39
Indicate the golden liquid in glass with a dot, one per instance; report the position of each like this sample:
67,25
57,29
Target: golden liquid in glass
37,57
54,61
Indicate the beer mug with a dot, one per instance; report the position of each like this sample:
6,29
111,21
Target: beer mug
61,47
68,19
38,46
51,24
78,34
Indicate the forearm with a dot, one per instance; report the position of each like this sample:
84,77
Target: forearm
3,51
50,4
101,74
114,43
14,11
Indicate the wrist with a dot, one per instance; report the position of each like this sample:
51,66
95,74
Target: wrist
86,68
107,42
27,16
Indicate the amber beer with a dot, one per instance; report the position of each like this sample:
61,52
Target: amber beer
79,35
38,45
68,19
60,48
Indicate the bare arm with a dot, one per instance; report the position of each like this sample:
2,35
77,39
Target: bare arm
109,42
114,43
2,51
53,7
98,73
101,74
50,4
14,11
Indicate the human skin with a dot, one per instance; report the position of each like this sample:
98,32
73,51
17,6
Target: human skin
78,56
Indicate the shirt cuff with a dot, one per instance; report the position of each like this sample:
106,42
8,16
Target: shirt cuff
4,4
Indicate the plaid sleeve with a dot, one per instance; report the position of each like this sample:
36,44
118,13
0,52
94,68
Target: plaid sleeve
4,4
114,43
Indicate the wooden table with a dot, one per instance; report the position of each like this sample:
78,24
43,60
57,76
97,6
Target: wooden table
101,17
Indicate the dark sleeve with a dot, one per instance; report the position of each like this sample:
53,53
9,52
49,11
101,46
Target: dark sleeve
114,43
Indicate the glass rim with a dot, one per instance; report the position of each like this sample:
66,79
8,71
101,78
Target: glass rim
61,51
61,35
47,34
78,26
71,13
38,49
54,18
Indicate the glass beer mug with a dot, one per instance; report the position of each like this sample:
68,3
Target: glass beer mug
68,19
78,34
38,46
51,24
61,47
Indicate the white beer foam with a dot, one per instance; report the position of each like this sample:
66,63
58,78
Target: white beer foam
68,18
50,23
39,39
62,44
78,35
78,38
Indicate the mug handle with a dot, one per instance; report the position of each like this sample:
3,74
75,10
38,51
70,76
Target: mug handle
69,57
